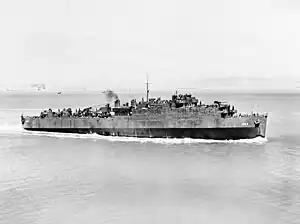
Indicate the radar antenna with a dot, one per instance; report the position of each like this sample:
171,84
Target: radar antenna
147,88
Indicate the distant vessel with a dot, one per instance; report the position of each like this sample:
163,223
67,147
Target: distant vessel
58,93
38,87
183,116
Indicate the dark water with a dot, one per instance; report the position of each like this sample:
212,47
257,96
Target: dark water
60,178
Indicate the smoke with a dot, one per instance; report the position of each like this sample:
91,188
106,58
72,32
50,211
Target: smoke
110,95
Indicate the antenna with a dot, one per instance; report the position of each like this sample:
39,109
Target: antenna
147,87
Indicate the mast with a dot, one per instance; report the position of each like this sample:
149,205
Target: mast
147,89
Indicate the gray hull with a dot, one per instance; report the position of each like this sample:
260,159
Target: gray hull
201,127
196,133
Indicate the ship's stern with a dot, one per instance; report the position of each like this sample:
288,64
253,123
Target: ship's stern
26,122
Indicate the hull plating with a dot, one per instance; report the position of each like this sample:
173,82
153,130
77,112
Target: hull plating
199,133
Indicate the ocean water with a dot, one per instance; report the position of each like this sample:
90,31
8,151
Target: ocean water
65,178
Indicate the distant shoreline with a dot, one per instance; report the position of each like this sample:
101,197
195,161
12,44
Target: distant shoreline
154,92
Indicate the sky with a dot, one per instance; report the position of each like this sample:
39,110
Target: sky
95,44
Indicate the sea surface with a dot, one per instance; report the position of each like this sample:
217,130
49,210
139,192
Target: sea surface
50,178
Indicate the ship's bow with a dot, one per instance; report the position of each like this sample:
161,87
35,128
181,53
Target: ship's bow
262,128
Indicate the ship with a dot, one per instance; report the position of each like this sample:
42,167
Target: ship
182,116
